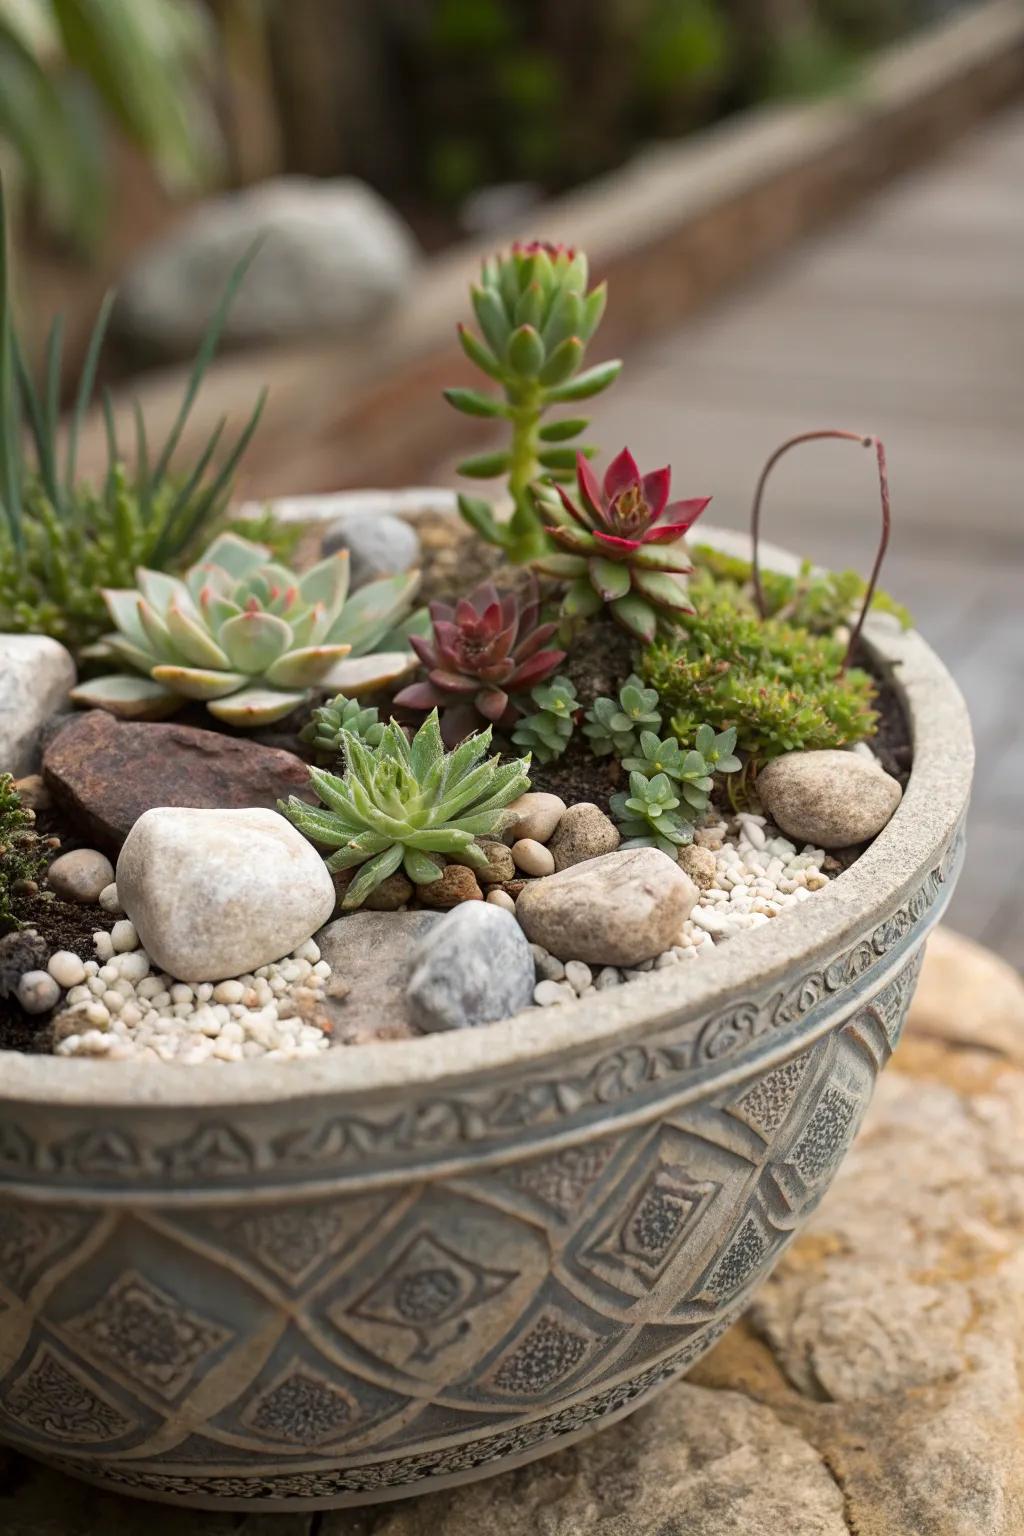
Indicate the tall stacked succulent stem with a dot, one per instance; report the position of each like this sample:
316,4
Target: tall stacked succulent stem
535,317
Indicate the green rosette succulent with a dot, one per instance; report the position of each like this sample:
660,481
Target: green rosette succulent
324,729
401,803
244,634
548,731
648,815
612,726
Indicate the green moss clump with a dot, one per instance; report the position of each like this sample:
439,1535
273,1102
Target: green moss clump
22,856
816,600
777,683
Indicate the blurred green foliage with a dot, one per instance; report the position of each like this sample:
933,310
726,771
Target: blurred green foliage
70,67
554,93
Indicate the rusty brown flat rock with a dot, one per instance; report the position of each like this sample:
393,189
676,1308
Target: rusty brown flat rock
106,773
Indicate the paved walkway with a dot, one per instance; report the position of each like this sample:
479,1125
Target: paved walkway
906,320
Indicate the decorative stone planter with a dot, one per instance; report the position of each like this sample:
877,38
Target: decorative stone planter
393,1269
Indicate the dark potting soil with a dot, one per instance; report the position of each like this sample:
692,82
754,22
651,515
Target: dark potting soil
60,925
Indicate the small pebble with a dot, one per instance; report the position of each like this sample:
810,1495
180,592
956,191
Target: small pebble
607,977
546,993
228,992
38,992
104,945
501,899
67,969
532,857
109,899
123,936
579,976
80,876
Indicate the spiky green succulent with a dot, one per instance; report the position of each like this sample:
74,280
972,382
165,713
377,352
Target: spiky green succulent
327,723
401,803
245,635
548,731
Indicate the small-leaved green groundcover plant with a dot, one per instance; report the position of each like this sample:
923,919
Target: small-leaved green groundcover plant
23,855
612,726
781,687
401,803
548,731
813,599
244,634
536,318
670,789
61,540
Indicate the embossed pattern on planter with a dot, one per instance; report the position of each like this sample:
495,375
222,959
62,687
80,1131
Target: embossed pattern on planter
275,1347
153,1148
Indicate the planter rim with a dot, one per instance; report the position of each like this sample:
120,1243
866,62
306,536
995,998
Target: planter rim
933,804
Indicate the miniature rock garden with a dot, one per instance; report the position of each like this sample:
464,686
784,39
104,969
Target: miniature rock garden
274,790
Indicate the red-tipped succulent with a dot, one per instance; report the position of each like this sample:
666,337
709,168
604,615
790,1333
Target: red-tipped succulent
483,651
623,544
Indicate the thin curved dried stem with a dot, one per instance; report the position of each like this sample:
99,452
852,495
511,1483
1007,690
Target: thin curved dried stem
866,440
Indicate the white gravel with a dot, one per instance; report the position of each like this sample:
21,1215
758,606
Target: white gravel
123,1009
758,874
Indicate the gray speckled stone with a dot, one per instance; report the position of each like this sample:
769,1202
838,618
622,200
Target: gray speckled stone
475,967
36,675
830,799
377,546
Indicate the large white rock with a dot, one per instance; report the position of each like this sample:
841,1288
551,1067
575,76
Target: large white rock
216,893
334,257
36,676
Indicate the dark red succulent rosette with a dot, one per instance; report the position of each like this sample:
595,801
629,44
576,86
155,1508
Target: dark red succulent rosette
484,651
622,544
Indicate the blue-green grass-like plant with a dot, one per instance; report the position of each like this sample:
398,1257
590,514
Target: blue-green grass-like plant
61,540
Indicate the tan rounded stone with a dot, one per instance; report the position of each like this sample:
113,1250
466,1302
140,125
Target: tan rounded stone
699,863
532,857
829,799
535,814
499,865
80,876
620,909
584,832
